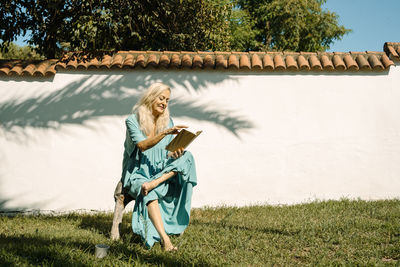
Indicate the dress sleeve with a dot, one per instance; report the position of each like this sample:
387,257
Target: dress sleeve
134,132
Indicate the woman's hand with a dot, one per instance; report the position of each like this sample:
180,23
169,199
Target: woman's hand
177,153
175,129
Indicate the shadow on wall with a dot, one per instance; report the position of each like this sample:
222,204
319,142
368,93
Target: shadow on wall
107,95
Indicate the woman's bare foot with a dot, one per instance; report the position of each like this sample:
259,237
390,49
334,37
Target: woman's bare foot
147,187
167,246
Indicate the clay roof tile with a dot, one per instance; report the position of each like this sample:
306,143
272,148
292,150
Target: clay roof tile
164,61
29,70
375,62
338,63
256,62
50,70
303,63
93,63
197,62
244,62
117,61
362,62
72,64
386,61
233,62
16,69
186,61
392,50
175,61
208,62
326,63
278,62
152,61
315,64
129,61
268,62
350,63
221,62
140,61
291,63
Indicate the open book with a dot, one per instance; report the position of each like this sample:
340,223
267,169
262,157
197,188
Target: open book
182,140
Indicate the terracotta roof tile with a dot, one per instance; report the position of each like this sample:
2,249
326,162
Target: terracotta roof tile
129,61
72,64
362,62
221,62
303,63
351,64
244,62
29,70
164,61
386,61
208,62
392,50
291,63
93,64
140,61
375,62
268,62
278,62
186,61
257,61
326,62
233,62
338,63
175,61
197,62
315,64
117,61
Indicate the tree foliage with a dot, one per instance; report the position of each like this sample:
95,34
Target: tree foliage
191,25
13,51
295,25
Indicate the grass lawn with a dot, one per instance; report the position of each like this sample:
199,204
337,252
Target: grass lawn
320,233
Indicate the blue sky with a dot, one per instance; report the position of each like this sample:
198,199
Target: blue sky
373,22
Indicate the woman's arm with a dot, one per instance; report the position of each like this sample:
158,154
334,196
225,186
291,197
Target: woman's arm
152,141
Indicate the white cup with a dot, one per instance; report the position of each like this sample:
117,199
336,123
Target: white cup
101,250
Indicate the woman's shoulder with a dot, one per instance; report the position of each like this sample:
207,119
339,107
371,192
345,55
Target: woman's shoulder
171,122
132,117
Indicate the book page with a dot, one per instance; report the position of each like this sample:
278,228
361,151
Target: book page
182,140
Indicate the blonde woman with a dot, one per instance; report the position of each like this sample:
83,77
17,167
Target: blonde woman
161,182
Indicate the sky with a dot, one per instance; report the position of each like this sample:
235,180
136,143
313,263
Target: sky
373,22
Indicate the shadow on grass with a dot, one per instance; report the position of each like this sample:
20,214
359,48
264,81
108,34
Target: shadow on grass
39,250
101,224
68,251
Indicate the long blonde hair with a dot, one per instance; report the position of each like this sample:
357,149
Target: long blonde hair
143,110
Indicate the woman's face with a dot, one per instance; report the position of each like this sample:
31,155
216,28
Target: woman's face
160,103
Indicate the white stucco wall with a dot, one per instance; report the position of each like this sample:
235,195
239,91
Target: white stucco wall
277,138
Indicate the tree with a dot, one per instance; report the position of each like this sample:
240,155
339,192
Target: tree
192,25
118,24
153,25
13,51
294,25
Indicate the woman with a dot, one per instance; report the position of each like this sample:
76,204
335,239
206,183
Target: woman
160,181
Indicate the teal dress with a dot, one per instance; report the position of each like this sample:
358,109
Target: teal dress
174,196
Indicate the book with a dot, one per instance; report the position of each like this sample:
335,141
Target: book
182,140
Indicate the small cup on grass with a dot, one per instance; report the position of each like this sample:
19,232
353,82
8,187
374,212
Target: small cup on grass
101,250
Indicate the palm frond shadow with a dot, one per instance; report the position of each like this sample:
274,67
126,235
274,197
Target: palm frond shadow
81,101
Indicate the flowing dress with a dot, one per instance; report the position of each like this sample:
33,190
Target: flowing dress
174,195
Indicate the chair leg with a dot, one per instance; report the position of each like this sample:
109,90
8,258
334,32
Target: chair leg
118,212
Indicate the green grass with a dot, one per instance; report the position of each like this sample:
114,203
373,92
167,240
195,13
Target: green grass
320,233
